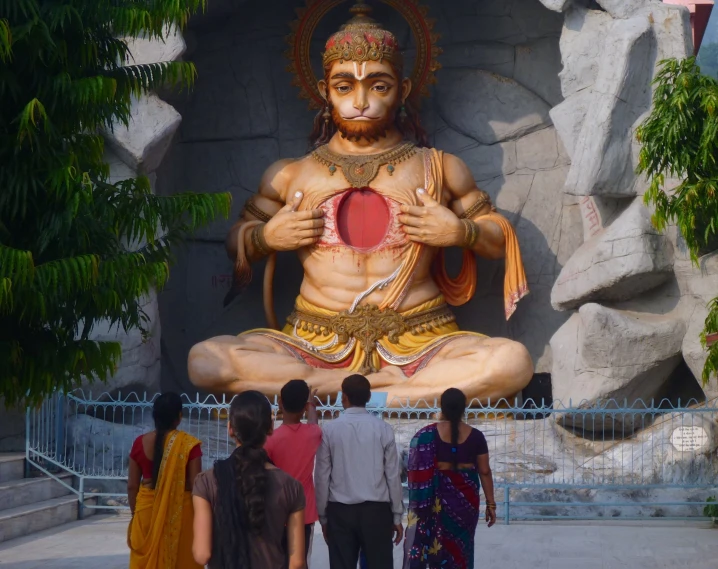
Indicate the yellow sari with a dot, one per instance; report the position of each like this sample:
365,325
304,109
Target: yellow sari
160,532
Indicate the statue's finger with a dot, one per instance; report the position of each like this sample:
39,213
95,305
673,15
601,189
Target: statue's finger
309,224
293,202
409,230
308,241
311,233
410,220
416,210
309,214
425,198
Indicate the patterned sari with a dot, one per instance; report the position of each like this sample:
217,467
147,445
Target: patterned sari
160,532
443,509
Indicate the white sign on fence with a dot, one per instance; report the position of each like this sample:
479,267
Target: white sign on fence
687,439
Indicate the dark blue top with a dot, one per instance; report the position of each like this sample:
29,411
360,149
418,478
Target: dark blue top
463,453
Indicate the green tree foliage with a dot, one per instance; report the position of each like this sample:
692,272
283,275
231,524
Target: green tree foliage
680,140
75,249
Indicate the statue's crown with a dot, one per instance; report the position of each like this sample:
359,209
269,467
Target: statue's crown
362,39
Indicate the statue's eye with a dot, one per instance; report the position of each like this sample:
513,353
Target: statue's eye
343,88
381,88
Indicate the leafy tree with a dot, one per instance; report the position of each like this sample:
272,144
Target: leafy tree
75,249
680,140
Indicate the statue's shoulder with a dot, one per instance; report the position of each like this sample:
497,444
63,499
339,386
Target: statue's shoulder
278,177
287,166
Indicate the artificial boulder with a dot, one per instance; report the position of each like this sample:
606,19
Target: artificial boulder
608,357
139,368
625,8
143,143
582,40
628,258
507,110
698,286
602,162
144,50
556,5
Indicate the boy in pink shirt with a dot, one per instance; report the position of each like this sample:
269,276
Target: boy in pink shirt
293,446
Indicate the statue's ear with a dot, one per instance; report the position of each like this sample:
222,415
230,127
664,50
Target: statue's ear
323,89
405,89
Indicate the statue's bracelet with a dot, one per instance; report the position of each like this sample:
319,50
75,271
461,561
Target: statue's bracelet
471,233
260,245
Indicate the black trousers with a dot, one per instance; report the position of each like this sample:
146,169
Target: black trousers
367,527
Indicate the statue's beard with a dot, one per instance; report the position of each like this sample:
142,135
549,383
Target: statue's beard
369,130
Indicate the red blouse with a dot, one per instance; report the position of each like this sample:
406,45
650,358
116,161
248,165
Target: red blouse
138,455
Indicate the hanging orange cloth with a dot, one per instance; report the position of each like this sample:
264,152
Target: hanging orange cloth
461,289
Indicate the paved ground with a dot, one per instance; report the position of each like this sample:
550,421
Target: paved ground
100,544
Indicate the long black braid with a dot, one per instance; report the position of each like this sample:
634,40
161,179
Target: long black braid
453,407
239,512
166,412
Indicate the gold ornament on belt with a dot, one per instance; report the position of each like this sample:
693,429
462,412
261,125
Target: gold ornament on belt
360,170
368,324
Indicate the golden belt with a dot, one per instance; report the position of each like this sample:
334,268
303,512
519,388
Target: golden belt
368,324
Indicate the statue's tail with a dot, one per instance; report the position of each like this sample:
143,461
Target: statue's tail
243,276
268,292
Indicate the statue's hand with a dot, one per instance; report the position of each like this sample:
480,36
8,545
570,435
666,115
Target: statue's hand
431,223
290,229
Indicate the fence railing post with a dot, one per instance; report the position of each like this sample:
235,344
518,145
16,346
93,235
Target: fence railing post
60,428
81,498
27,442
507,505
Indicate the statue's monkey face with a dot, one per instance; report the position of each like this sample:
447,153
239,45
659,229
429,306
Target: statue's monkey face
364,97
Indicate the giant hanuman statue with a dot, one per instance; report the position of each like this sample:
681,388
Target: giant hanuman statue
370,212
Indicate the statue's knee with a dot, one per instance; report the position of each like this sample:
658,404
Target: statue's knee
518,359
203,364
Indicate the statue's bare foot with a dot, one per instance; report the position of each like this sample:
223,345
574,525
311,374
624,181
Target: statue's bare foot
386,377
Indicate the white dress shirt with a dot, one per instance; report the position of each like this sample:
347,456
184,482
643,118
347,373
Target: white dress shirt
358,462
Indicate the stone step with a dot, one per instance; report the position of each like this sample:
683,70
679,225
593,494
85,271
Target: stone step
24,520
12,466
16,493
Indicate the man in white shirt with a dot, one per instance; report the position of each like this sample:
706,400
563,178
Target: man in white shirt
358,484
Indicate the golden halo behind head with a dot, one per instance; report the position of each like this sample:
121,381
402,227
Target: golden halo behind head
361,39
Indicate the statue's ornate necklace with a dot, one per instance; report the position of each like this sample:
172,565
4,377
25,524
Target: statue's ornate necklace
359,170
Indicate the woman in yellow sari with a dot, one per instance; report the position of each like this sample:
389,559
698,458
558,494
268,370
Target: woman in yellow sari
163,466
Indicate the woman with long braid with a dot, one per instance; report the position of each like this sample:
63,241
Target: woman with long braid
446,462
163,465
244,507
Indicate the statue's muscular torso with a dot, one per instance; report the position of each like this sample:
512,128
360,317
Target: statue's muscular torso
335,273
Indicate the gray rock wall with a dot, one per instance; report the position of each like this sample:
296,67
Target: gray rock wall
500,79
653,298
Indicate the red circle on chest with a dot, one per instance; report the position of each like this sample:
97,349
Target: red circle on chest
363,218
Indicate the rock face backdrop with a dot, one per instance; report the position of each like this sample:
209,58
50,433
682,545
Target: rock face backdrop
541,98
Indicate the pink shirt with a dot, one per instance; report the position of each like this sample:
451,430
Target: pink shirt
293,448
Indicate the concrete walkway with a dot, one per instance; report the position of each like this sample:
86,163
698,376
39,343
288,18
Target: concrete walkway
99,543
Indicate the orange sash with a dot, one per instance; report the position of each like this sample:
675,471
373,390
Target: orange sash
461,289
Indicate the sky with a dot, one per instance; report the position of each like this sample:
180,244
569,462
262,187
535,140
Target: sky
711,35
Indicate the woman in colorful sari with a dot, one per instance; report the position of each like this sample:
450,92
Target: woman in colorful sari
446,462
163,465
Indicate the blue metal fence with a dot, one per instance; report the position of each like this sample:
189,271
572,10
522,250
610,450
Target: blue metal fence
577,461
